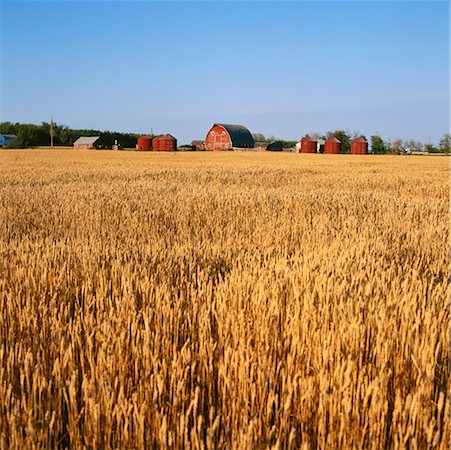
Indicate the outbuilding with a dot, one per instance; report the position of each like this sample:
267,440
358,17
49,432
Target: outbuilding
197,145
308,145
164,143
6,139
227,137
275,146
332,146
86,142
359,146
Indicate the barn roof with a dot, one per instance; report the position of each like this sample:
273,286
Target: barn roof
241,136
360,140
334,139
87,140
276,145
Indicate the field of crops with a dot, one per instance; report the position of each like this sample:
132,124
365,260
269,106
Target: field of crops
232,300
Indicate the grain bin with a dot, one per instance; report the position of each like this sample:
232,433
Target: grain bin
332,146
164,143
308,145
144,143
359,146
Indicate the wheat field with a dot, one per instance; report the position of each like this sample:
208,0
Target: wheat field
223,300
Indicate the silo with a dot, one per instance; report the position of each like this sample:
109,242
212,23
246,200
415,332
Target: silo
144,143
332,146
359,146
165,143
308,145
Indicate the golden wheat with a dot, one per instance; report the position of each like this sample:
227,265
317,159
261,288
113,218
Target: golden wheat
235,300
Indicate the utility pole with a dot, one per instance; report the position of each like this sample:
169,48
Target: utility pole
51,131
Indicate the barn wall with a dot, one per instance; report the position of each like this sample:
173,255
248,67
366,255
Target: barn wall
218,139
83,146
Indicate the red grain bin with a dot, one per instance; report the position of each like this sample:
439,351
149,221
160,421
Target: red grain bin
359,146
308,145
166,143
144,143
332,146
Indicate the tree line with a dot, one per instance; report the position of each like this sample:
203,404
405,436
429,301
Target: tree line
30,135
377,144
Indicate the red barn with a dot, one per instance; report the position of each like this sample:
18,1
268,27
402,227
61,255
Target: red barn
308,145
227,137
359,146
164,143
332,146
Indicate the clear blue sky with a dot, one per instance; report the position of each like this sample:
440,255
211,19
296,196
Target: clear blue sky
280,68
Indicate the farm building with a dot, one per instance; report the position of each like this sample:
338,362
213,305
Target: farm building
144,143
332,146
197,145
359,146
86,142
275,146
227,137
164,143
308,145
320,145
6,139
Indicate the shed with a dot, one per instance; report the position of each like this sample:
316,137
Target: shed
144,143
197,145
227,137
332,146
359,146
308,145
164,143
6,139
86,142
275,146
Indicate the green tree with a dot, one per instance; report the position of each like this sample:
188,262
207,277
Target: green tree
445,143
429,148
378,146
344,137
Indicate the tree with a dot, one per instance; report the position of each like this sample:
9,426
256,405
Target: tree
445,143
258,137
396,147
378,145
431,149
344,138
414,146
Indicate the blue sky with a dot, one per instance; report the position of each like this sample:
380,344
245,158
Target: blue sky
280,68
